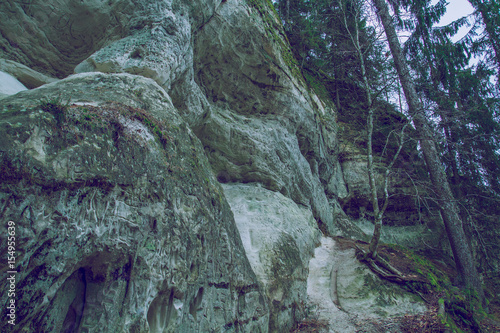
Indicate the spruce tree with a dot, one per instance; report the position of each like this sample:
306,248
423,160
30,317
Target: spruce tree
453,224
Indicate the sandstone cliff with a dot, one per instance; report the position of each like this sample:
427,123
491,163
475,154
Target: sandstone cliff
112,168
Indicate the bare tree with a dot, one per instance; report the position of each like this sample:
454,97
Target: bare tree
378,212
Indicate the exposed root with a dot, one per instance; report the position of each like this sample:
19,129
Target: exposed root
383,269
334,289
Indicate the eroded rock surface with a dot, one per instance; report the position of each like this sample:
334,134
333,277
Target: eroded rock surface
27,76
279,239
9,85
264,126
229,55
53,37
120,224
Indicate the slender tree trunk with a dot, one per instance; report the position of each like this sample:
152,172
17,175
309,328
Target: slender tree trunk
453,224
452,157
354,35
371,173
377,212
446,109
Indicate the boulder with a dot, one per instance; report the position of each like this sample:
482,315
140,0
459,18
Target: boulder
120,224
9,85
28,77
158,43
279,237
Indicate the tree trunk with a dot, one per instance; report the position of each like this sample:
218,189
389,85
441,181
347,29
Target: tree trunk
354,35
453,224
378,212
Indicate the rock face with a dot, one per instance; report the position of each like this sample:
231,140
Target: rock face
223,63
53,37
264,125
113,174
279,239
120,225
238,92
409,220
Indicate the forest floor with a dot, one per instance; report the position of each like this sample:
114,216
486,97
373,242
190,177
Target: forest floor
419,270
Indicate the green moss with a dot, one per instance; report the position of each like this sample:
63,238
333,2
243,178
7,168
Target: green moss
463,310
138,93
426,269
106,118
434,276
285,260
450,324
315,84
274,30
150,246
153,126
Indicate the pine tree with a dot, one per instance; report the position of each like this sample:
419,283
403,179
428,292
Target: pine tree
488,11
466,104
452,221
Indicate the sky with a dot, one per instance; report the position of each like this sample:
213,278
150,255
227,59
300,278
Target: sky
455,10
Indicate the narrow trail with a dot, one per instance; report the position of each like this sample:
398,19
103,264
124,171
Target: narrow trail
347,296
321,286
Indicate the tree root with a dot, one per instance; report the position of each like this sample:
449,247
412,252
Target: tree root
386,271
334,289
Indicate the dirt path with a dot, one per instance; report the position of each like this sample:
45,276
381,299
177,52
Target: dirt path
321,291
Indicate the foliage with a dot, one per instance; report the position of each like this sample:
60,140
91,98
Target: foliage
465,105
322,46
462,100
462,96
330,64
55,107
484,36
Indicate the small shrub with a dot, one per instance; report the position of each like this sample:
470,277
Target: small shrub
55,107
